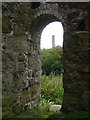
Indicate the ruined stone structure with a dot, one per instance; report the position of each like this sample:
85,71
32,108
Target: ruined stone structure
22,24
53,41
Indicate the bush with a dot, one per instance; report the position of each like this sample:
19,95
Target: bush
52,88
51,93
52,60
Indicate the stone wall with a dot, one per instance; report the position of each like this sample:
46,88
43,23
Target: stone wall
75,60
22,24
21,61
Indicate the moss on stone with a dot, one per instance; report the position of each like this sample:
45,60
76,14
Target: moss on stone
21,57
18,30
29,53
9,99
25,96
23,18
21,66
17,43
7,112
17,108
8,60
35,91
23,8
6,25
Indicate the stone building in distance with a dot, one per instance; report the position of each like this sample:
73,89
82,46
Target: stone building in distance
53,41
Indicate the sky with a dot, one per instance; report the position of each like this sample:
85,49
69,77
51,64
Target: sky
54,28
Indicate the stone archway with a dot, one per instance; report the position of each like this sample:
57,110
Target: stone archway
21,28
36,29
72,77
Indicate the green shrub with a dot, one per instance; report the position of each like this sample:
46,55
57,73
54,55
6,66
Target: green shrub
51,88
52,60
42,111
51,93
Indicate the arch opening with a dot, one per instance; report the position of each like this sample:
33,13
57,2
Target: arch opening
52,63
36,28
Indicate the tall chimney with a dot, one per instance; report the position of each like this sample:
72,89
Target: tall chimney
53,41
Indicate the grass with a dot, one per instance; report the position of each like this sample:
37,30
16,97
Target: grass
51,93
35,113
52,88
38,114
41,112
80,115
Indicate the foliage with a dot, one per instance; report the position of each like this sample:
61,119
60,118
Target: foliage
39,114
42,111
51,88
52,60
51,93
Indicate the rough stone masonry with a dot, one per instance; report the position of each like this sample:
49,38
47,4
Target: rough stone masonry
22,25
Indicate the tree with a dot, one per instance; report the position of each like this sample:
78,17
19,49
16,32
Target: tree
52,60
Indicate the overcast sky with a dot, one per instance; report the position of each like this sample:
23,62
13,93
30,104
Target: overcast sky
54,28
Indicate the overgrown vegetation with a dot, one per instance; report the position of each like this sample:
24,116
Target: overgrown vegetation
51,93
51,84
52,88
43,111
38,114
52,61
